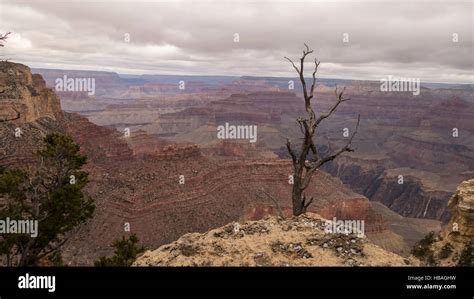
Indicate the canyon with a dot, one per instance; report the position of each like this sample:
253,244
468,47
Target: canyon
172,176
412,150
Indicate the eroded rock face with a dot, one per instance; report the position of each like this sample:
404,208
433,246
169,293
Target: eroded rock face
454,245
28,110
461,205
422,194
24,97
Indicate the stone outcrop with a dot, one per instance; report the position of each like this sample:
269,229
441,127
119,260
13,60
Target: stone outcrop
24,97
28,109
455,244
461,205
297,241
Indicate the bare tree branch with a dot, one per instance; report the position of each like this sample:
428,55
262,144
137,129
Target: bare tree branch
320,162
316,65
303,168
3,38
290,150
280,211
340,99
297,70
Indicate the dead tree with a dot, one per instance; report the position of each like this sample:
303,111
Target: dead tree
305,163
3,38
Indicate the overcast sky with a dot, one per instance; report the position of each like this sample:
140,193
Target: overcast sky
401,38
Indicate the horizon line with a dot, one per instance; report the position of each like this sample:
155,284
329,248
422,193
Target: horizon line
239,76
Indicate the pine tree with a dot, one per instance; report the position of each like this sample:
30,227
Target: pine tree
50,193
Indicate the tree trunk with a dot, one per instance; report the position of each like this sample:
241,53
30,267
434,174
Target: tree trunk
298,207
297,198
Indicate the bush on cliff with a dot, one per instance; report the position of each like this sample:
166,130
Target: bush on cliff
126,252
422,249
466,257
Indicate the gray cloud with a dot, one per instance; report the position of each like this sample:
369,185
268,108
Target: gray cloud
400,38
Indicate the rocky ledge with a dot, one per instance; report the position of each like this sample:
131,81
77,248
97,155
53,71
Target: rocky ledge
296,241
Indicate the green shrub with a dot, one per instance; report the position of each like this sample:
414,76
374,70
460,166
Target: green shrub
422,249
126,252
